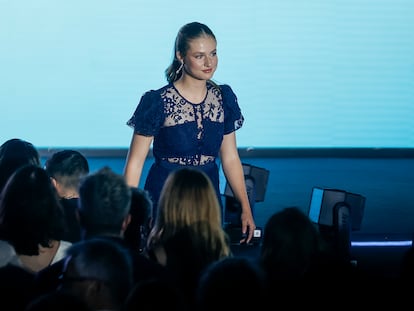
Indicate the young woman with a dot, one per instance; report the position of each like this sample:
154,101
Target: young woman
191,122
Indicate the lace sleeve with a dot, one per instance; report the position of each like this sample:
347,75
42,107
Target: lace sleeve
148,116
233,118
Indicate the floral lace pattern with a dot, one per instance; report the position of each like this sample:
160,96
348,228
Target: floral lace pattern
194,160
186,133
178,111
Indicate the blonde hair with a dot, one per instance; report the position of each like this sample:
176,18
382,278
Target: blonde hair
188,200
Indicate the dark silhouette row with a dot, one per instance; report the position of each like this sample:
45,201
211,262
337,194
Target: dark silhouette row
74,239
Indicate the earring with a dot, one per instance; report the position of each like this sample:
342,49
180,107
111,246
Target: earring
179,68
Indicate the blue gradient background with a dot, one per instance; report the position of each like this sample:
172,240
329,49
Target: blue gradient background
307,73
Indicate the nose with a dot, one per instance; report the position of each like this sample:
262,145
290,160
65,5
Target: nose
208,61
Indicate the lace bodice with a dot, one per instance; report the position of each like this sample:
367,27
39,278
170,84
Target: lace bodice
187,133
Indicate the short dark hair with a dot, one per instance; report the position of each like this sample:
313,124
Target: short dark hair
68,167
104,201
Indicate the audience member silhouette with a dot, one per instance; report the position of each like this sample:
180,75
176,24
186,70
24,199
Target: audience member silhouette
294,256
290,245
222,283
32,221
187,234
104,205
155,294
137,231
15,153
66,168
99,272
16,288
187,199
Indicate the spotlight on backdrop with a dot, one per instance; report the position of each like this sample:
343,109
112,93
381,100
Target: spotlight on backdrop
337,213
256,179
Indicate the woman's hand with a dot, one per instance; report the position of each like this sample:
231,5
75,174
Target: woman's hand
248,225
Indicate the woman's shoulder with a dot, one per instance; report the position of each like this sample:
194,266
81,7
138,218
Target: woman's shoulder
152,99
233,117
227,94
225,90
158,91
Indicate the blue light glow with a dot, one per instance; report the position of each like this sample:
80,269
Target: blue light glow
380,243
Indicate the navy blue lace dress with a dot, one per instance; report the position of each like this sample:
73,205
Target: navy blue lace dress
185,134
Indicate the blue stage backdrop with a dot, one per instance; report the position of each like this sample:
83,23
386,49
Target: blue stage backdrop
321,73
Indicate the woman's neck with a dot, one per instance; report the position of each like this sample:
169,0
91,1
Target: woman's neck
191,89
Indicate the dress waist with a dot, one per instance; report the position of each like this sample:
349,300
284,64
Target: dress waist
203,162
174,163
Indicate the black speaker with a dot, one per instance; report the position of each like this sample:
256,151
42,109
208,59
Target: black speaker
324,202
256,183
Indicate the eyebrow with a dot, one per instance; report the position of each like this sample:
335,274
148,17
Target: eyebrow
198,52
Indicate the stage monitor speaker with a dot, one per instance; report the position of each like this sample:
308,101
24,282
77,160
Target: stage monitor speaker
254,176
324,202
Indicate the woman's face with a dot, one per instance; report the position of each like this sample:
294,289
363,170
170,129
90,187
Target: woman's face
201,59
